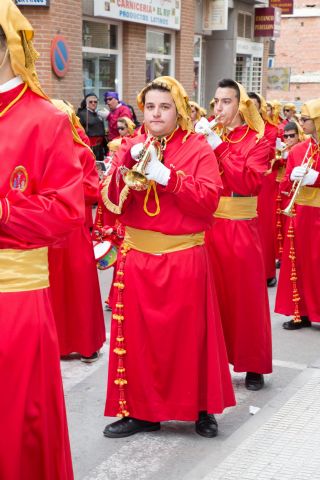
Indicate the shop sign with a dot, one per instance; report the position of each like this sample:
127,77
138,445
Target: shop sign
267,22
286,6
246,47
159,13
278,79
215,15
33,3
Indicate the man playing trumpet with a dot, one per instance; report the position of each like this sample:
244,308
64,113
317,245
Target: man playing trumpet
298,291
233,241
167,354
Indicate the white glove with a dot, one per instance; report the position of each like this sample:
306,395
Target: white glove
285,154
103,113
279,144
203,127
155,170
136,151
298,173
310,178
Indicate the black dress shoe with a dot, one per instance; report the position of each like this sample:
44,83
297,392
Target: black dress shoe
129,426
206,425
271,282
291,325
254,381
278,263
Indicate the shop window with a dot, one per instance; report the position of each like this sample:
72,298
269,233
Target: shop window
160,57
244,25
101,58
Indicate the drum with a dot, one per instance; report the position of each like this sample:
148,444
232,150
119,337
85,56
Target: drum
105,254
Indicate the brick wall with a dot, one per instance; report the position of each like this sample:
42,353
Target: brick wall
298,48
134,62
184,46
64,17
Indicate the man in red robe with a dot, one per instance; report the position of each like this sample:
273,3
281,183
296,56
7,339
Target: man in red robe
298,290
114,111
268,193
233,241
74,279
167,354
41,200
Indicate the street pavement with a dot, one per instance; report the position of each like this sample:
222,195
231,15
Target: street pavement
270,434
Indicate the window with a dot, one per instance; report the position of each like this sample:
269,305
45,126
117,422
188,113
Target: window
197,66
256,84
244,26
101,58
249,72
160,56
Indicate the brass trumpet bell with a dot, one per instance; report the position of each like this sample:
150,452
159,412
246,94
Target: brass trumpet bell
136,178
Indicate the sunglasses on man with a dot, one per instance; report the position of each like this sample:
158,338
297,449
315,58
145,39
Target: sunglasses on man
108,99
93,101
289,135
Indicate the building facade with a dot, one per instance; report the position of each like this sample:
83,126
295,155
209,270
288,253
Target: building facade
297,52
120,45
61,18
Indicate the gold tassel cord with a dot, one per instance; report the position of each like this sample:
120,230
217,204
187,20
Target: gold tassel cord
120,348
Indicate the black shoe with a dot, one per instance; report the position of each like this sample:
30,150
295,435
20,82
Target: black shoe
129,426
206,425
278,263
254,381
271,282
93,358
291,325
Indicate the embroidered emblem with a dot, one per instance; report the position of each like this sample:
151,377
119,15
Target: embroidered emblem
19,179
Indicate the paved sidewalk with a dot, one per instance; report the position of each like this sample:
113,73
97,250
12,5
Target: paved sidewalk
287,446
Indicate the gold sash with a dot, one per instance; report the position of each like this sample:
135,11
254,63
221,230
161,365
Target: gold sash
309,196
148,241
237,208
23,270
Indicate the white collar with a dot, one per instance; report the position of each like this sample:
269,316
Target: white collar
11,84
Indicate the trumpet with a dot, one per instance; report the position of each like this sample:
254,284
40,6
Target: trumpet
297,184
136,178
214,122
278,156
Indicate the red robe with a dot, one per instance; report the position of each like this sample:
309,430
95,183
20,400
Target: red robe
266,205
306,225
74,279
114,115
39,208
176,362
237,259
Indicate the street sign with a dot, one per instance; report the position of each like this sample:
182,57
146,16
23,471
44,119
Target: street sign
59,56
33,3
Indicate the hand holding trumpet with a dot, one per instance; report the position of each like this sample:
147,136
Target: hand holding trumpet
307,176
155,170
205,128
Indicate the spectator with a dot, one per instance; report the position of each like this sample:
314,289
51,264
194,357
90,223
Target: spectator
93,125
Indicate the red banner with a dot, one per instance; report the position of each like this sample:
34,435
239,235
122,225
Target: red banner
286,6
267,22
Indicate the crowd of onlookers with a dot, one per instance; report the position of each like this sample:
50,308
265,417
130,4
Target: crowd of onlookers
117,119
